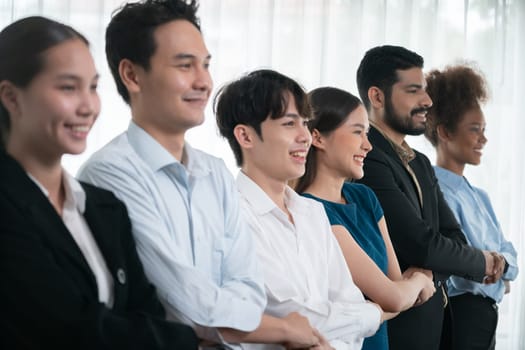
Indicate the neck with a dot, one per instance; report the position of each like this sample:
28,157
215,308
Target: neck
274,188
172,142
327,186
393,135
48,172
446,162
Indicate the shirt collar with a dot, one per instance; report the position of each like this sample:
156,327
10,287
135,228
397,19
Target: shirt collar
451,179
75,194
404,151
261,202
157,157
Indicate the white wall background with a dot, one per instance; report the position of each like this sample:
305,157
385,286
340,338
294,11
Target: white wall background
320,42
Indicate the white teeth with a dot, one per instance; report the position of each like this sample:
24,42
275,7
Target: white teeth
298,154
80,128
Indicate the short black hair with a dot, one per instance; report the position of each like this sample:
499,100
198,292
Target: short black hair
252,99
379,68
130,33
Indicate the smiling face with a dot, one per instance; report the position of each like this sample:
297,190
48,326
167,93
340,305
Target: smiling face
465,144
343,150
56,111
174,91
406,108
280,153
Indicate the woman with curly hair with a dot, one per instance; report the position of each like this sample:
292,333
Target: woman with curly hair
456,128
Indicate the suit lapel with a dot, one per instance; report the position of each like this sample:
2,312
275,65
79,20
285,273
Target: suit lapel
97,214
381,143
26,195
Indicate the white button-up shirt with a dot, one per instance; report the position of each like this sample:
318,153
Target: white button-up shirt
304,268
195,246
73,218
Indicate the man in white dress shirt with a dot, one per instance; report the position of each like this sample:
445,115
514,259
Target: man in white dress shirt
184,208
263,115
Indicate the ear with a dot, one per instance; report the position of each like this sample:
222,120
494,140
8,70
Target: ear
244,135
317,139
9,97
376,97
128,74
443,134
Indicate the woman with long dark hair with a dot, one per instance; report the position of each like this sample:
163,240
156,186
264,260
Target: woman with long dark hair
71,277
339,129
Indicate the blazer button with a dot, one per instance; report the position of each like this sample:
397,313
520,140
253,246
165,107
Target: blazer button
121,276
439,284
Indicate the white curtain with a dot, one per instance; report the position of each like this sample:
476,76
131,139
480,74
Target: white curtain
319,43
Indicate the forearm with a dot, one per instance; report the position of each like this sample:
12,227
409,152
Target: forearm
408,291
271,330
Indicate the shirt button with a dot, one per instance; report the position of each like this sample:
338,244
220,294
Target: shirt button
121,276
439,284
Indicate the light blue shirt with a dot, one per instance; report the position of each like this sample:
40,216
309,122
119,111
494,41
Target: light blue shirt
195,246
474,212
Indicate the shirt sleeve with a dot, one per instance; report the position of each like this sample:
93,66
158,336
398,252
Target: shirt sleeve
189,295
506,247
373,203
344,315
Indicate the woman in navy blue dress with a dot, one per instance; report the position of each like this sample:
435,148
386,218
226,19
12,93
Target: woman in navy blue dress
339,130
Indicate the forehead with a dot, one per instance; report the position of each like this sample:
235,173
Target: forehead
69,57
358,115
410,77
473,116
179,36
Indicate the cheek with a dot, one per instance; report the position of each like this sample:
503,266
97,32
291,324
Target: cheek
96,105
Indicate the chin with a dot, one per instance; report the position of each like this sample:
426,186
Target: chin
74,150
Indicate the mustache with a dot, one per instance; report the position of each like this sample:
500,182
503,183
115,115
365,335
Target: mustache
419,110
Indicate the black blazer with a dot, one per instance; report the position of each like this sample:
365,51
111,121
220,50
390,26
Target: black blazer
427,236
48,296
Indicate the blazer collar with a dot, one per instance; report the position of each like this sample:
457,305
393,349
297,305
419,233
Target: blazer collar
379,141
25,194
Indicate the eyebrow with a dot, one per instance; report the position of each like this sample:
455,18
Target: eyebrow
417,86
68,76
359,125
292,115
184,56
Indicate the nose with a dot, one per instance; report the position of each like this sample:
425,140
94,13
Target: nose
483,138
426,100
203,79
304,135
366,146
89,103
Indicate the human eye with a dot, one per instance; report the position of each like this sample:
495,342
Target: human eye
290,122
476,128
67,87
184,65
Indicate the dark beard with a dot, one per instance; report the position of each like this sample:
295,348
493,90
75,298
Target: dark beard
400,124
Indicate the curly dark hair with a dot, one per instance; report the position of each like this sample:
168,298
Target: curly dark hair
454,91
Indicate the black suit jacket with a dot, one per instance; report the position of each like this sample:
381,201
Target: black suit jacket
48,296
425,236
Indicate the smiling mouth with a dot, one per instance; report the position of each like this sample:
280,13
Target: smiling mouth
359,159
78,128
298,154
